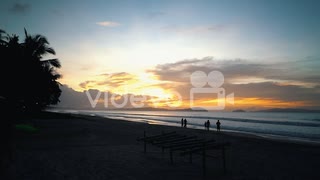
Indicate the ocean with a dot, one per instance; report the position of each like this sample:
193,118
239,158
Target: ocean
290,126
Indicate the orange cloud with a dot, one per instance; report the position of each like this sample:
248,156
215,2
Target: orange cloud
251,84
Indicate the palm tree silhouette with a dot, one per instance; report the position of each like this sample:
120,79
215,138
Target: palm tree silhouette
43,72
2,41
33,84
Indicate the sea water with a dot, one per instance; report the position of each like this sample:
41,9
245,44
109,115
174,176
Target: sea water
284,125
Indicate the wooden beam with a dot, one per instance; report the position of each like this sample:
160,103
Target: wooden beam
187,145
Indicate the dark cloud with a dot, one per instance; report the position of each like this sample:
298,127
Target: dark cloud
275,87
275,91
20,8
303,71
271,91
180,71
178,77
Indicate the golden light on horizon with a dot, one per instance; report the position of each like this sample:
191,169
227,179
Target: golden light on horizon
268,103
161,95
157,92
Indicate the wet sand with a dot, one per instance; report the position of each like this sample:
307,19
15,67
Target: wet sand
78,147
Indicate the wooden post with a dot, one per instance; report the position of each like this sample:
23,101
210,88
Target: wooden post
145,143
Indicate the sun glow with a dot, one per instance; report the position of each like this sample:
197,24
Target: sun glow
269,103
156,92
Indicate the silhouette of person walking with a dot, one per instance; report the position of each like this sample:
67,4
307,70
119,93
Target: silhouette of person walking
205,125
182,122
185,122
208,125
218,125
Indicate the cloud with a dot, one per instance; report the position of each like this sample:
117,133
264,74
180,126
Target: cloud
119,82
275,90
93,99
116,79
180,71
257,95
108,24
282,82
240,71
87,84
259,85
305,70
20,8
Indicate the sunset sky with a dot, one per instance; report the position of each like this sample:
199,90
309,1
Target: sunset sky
268,51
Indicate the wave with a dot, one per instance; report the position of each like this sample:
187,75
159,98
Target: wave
244,120
286,126
230,128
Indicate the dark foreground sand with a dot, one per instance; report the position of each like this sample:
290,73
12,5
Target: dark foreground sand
78,147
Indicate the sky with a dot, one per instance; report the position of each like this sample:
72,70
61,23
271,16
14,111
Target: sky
267,51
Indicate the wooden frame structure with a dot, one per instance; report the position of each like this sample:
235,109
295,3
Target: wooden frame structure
185,145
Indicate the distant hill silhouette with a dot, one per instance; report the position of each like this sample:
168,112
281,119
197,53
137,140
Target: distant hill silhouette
288,110
239,110
131,109
157,109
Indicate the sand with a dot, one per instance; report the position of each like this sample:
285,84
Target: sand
77,147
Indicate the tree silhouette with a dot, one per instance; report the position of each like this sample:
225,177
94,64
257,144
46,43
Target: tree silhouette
2,42
30,84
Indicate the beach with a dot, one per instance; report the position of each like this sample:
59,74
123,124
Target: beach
79,147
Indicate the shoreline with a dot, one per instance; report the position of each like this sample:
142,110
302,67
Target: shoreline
270,137
283,135
69,146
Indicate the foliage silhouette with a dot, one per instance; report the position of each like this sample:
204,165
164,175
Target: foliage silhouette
30,83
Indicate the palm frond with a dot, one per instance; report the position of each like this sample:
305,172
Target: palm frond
57,76
25,32
52,62
51,50
1,37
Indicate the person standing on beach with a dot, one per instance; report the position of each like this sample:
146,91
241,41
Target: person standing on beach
182,122
208,125
185,122
218,125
